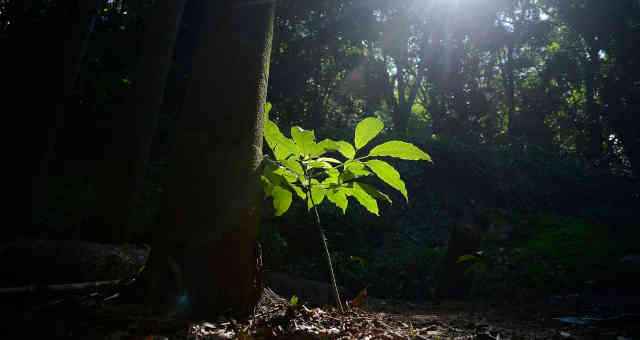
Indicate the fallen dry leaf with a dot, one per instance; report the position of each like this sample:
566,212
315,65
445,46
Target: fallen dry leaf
359,300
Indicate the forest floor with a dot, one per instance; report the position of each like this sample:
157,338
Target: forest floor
375,318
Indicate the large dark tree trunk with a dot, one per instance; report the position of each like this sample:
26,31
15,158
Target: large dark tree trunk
123,170
204,245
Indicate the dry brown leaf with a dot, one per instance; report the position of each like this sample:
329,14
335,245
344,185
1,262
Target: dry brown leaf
359,300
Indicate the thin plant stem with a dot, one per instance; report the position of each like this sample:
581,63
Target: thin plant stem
323,239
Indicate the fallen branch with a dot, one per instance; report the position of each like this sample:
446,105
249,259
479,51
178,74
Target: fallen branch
68,287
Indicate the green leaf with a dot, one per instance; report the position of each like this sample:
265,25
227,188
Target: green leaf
305,140
298,190
466,257
474,267
319,164
317,193
353,170
287,175
267,109
268,186
328,159
389,174
346,149
401,150
282,146
293,166
273,174
366,130
338,197
322,147
358,259
333,176
281,199
375,193
294,301
363,197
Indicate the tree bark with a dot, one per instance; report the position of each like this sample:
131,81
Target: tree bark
465,239
123,170
205,239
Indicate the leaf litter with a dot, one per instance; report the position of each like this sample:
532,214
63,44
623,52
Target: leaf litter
277,318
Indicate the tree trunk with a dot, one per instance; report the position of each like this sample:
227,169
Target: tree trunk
123,170
206,235
402,108
465,239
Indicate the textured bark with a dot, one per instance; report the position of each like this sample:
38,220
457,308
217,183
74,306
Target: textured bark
123,170
208,225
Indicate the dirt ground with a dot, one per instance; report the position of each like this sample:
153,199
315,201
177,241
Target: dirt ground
372,318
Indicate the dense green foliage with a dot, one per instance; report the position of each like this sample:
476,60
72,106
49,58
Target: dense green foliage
298,165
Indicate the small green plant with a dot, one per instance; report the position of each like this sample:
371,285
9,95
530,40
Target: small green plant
294,301
300,165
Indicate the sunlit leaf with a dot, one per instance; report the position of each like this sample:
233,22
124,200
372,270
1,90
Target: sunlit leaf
366,130
346,149
317,194
267,109
281,199
288,175
319,164
353,170
298,190
388,174
328,159
339,198
363,197
293,166
268,186
282,146
274,174
401,150
375,193
333,175
323,146
305,140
